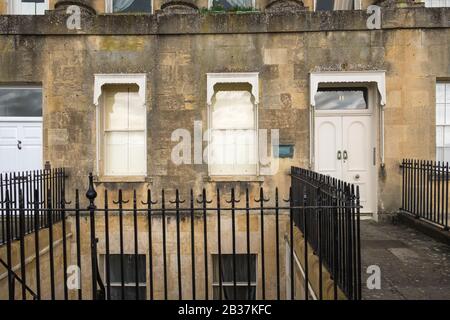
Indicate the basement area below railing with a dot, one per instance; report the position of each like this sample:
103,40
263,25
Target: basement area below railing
183,244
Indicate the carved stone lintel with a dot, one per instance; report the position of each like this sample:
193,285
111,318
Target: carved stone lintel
285,6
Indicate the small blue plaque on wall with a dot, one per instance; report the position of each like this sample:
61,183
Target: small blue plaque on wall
286,151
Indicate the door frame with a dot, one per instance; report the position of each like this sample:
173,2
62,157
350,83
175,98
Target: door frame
373,111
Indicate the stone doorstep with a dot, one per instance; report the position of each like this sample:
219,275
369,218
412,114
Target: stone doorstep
427,228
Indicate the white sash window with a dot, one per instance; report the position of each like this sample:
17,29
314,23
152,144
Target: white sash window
28,7
231,4
233,134
129,6
232,100
437,3
121,124
443,121
123,120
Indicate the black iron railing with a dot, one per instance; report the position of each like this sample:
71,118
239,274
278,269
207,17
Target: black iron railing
329,219
425,190
194,245
25,198
12,278
33,186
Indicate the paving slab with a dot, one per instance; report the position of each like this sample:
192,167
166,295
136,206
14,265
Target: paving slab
413,266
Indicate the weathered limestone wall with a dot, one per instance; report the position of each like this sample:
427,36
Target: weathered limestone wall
314,276
177,51
30,262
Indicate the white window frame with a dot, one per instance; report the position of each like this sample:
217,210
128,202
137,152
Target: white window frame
14,8
443,125
251,78
437,3
109,7
139,79
210,3
356,4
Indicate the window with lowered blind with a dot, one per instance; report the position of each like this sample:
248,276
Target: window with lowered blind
123,131
443,121
233,147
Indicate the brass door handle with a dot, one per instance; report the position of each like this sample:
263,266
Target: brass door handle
339,155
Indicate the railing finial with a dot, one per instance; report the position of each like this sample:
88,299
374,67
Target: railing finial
91,194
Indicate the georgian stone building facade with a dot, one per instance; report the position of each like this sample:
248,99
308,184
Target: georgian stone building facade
141,92
286,64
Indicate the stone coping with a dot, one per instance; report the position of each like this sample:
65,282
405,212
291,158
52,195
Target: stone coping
167,23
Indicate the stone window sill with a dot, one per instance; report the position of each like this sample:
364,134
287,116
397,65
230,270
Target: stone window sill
122,179
234,179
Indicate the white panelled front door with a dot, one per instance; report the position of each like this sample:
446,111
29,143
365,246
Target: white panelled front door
343,149
329,146
20,145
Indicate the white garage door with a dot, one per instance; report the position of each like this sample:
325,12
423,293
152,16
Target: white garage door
20,129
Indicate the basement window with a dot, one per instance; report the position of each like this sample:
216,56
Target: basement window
128,261
332,5
128,6
245,271
28,7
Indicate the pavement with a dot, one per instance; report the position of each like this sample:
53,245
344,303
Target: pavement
413,266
